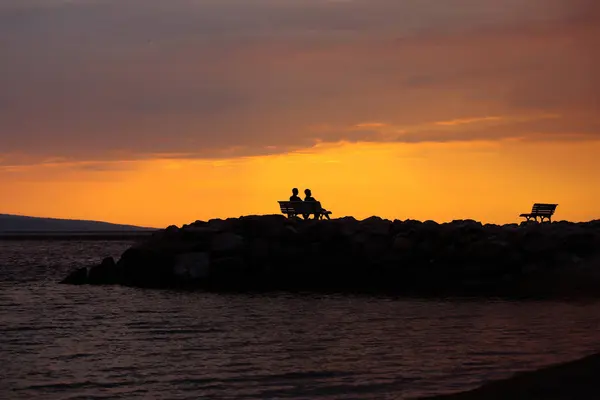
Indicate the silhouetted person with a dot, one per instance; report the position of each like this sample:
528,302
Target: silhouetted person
309,197
294,196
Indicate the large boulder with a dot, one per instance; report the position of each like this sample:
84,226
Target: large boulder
373,244
581,243
107,273
408,226
198,223
77,277
192,266
261,250
174,241
227,270
376,226
402,243
195,239
289,234
227,242
270,226
347,226
319,231
147,267
172,230
489,251
224,225
537,244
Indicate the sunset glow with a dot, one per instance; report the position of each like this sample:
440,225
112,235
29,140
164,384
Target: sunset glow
487,181
195,110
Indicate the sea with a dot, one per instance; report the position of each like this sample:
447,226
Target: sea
111,342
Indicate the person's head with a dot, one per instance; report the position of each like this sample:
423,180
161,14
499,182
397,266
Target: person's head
295,191
307,192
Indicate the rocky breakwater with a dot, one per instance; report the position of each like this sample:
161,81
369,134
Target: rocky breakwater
373,255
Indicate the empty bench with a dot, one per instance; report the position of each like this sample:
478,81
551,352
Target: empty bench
295,208
540,210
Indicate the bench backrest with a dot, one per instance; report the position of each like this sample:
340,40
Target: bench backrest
299,207
543,209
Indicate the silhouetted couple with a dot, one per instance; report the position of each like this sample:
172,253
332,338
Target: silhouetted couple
309,198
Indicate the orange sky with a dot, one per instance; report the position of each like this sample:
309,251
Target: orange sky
488,181
154,113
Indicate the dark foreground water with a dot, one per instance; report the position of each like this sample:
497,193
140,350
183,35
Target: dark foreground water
69,342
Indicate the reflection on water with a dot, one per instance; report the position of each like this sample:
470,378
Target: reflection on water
79,342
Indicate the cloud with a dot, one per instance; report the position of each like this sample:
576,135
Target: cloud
371,125
114,80
465,121
538,127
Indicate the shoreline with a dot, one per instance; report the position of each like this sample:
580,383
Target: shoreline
572,380
75,235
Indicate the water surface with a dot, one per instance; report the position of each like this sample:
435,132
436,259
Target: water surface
80,342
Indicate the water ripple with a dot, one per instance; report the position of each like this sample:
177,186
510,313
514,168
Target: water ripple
70,342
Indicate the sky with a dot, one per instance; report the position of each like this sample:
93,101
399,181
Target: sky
156,113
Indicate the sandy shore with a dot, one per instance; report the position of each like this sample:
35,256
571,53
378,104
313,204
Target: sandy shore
575,380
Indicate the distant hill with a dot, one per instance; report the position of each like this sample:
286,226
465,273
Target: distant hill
19,223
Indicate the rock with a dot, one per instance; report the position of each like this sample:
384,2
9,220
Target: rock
188,239
402,243
200,232
106,273
172,230
227,225
409,227
192,266
377,245
580,243
376,226
320,231
347,226
270,226
77,277
487,250
147,267
430,224
195,239
227,242
290,232
228,268
260,249
536,244
462,257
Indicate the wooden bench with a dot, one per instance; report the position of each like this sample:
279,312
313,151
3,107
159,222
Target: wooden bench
295,208
541,210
